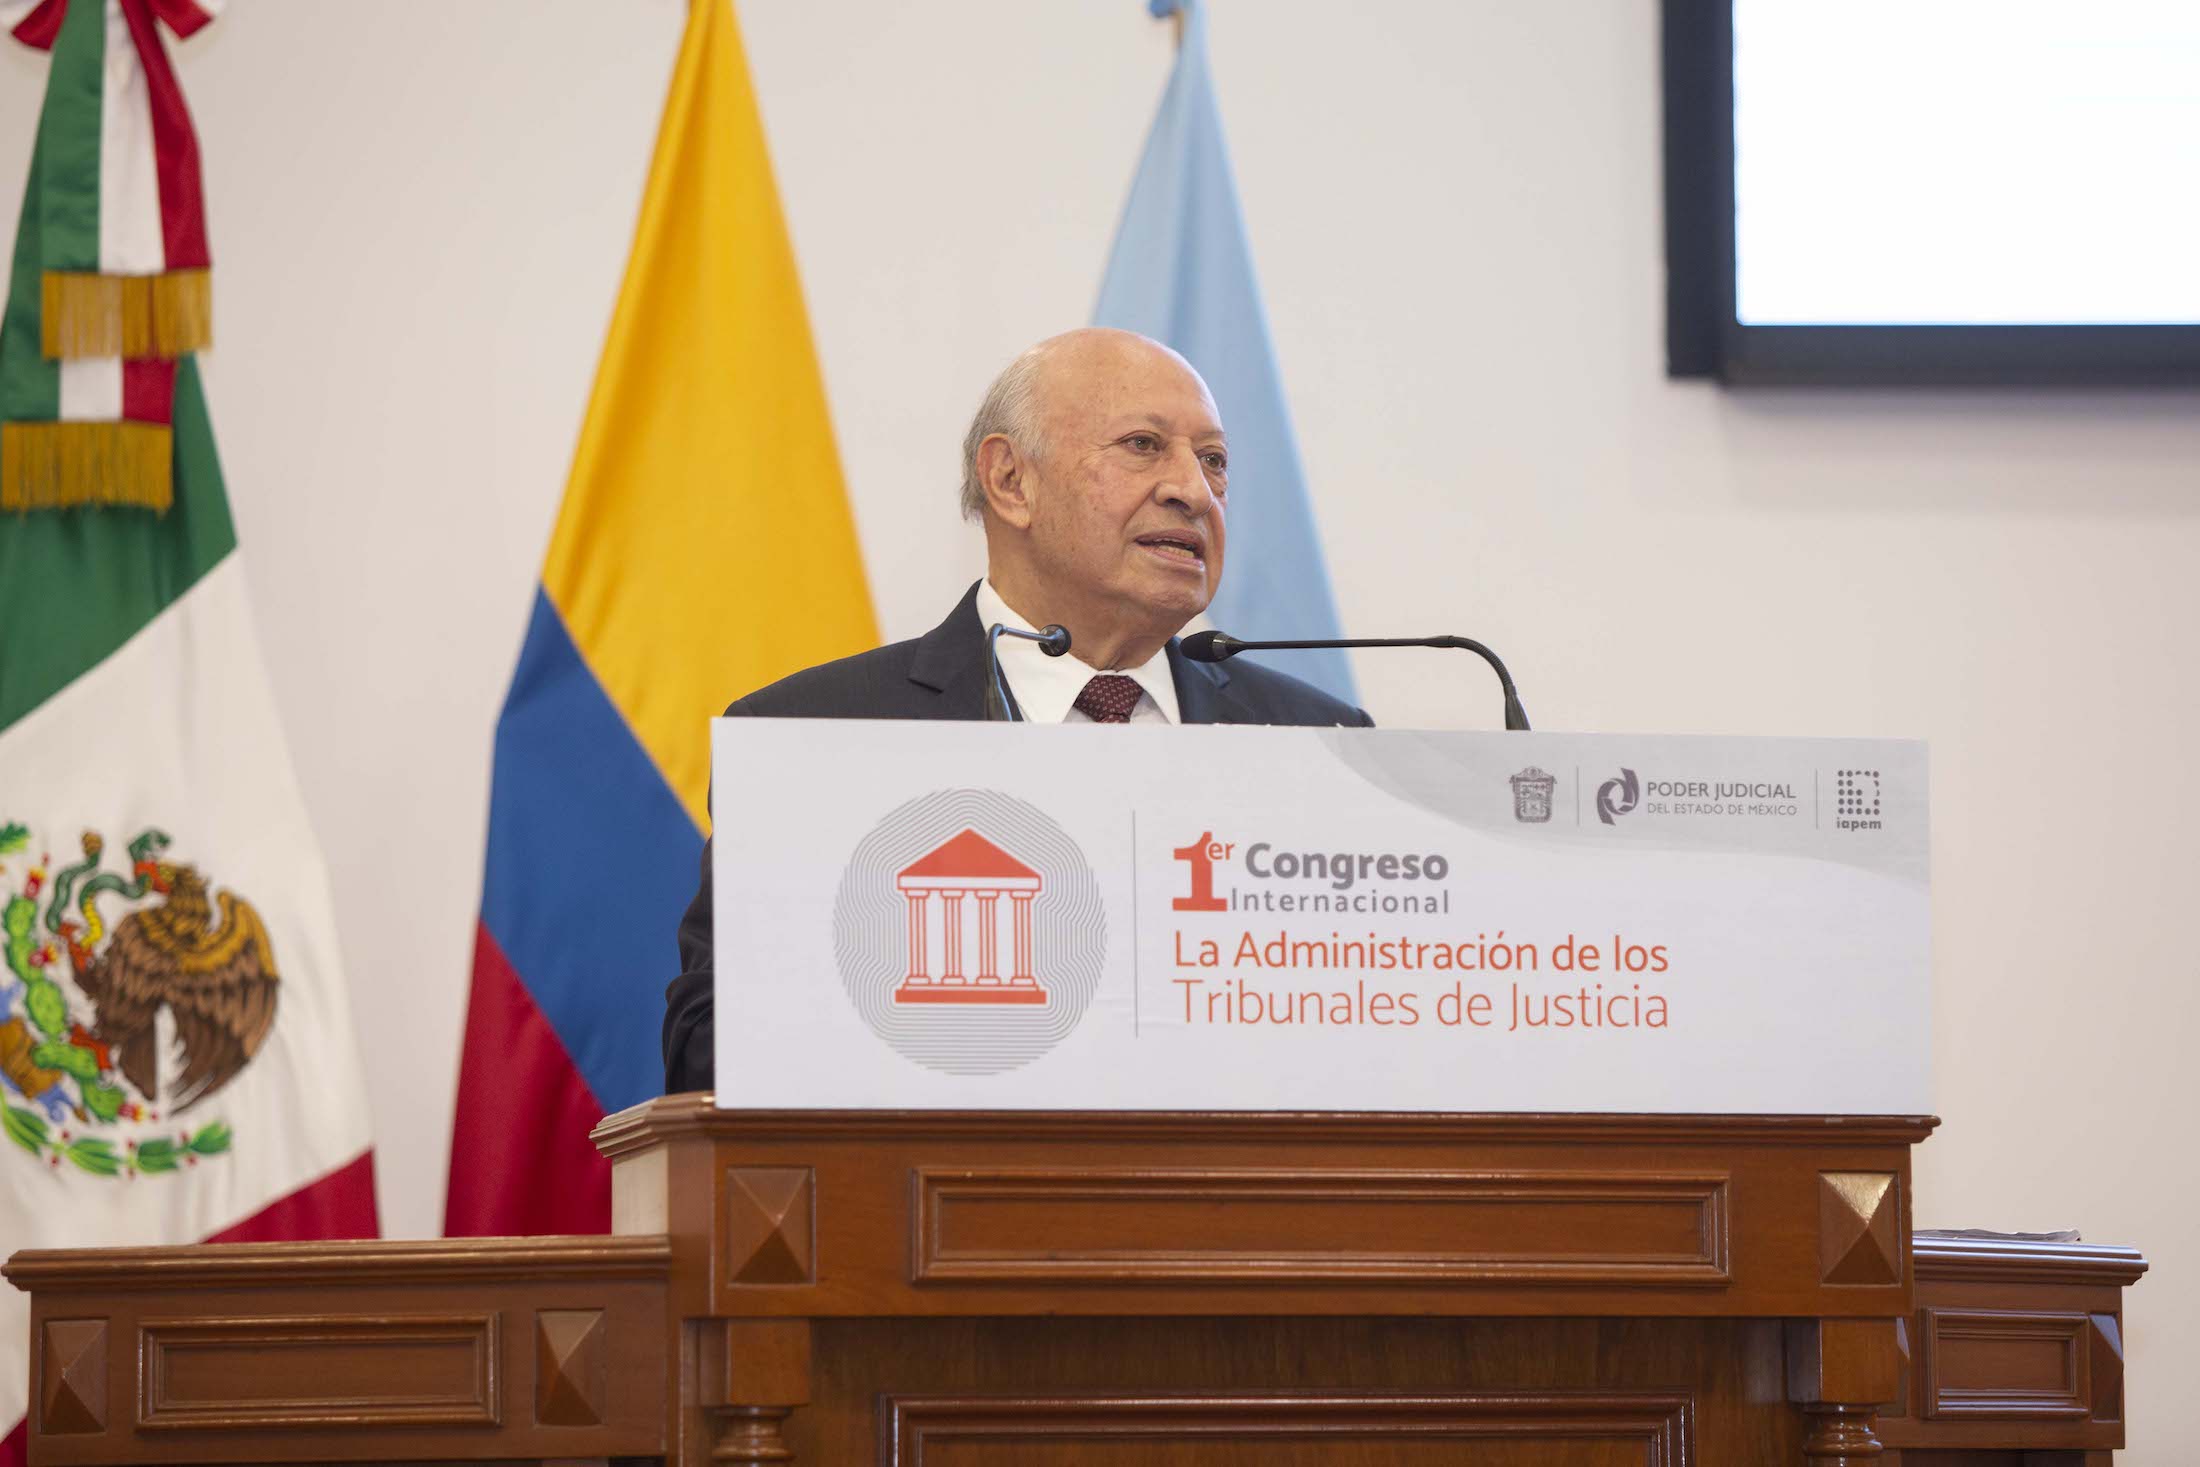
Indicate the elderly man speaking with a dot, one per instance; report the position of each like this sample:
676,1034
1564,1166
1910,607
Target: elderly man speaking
1098,466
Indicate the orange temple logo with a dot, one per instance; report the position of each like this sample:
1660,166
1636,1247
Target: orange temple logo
964,878
969,931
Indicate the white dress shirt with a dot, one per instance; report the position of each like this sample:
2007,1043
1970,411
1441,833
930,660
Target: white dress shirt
1045,687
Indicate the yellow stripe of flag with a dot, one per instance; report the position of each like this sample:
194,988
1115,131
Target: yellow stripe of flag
705,546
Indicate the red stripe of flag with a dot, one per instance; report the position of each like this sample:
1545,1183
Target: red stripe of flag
38,31
339,1205
175,147
182,16
521,1161
148,391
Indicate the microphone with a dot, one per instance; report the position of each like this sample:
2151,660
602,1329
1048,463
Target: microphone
1221,647
999,707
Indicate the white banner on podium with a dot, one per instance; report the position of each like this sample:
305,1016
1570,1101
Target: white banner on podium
992,916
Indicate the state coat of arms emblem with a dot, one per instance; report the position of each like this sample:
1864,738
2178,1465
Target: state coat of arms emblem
126,1000
1532,790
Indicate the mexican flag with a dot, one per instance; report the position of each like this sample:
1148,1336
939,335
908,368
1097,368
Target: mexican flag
177,1061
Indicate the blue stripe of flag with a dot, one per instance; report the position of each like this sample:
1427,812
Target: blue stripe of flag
591,862
1181,272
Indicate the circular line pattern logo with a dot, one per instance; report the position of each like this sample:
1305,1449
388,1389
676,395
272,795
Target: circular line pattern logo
969,932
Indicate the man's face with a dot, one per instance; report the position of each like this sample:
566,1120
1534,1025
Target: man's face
1132,482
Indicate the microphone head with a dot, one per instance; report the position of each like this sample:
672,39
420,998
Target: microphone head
1210,646
1054,639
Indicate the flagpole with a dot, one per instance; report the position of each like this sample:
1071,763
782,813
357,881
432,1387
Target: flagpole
1174,15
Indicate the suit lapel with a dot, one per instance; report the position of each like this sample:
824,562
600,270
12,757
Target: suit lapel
1203,691
950,661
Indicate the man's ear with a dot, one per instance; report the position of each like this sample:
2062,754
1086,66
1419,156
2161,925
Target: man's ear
1005,476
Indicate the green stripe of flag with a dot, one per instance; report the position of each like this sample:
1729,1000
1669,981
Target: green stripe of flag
59,229
30,386
76,584
67,167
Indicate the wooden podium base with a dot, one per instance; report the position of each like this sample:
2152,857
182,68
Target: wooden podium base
1010,1290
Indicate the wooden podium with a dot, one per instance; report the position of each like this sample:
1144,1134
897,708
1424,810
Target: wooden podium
981,1290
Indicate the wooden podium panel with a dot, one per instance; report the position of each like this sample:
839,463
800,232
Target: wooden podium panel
1299,1390
347,1352
826,1213
1009,1290
2015,1337
1556,1290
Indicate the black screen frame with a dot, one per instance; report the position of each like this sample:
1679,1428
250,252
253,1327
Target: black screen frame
1703,338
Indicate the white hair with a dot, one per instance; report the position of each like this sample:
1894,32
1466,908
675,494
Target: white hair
1012,404
1010,409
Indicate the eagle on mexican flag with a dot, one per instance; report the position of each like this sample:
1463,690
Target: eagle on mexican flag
177,1061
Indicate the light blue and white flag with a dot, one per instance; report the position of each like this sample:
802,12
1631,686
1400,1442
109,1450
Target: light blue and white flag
1182,272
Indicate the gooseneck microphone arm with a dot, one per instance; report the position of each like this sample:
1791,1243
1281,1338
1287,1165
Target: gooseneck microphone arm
1220,647
999,707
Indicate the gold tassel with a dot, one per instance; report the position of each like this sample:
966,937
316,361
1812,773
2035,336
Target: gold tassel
81,315
135,316
183,313
65,465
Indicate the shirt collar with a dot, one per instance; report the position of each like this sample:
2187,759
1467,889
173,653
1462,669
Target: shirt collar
1044,686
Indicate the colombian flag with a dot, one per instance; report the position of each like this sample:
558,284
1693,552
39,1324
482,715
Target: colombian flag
704,549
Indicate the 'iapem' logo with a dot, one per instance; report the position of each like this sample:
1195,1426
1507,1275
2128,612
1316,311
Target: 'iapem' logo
969,932
1615,797
1856,800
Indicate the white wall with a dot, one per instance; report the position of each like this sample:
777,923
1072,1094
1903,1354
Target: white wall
420,217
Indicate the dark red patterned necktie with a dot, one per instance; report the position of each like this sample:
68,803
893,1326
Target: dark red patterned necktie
1109,698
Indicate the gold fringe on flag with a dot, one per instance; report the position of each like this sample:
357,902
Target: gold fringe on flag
136,316
64,465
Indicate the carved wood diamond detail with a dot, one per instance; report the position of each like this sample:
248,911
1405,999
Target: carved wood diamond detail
2106,1344
770,1225
1859,1227
572,1363
72,1369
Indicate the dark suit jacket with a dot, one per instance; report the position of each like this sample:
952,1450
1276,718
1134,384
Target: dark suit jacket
941,674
